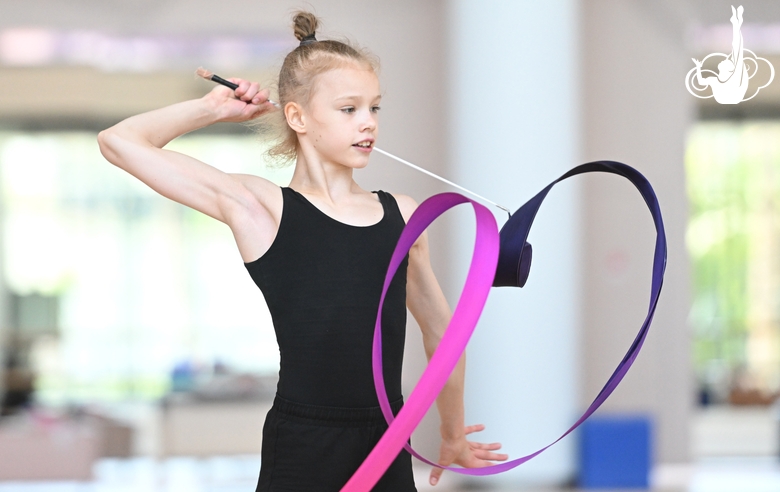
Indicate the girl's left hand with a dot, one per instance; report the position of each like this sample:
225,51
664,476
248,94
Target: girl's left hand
468,454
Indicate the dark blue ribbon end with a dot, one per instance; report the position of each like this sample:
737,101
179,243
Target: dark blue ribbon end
524,264
514,264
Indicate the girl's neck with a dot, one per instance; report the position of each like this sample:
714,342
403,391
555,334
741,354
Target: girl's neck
329,181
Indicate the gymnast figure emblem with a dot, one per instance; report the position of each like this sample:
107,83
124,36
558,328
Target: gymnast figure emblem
735,70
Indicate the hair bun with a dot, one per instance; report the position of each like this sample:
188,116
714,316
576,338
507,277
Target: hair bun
304,25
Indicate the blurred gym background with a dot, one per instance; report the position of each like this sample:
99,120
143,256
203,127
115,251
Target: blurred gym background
138,355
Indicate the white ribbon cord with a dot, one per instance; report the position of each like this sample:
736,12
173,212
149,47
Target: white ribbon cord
402,161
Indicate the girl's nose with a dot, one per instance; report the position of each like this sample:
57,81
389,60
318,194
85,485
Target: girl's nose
369,122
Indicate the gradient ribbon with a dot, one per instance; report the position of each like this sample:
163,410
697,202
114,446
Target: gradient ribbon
499,259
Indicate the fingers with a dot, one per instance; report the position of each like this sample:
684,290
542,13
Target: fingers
242,92
252,111
487,446
474,428
467,454
261,97
483,451
487,456
435,475
250,92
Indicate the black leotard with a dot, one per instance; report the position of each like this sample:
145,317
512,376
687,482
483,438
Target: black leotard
322,280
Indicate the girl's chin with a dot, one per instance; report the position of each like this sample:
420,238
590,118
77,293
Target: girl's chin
356,163
351,162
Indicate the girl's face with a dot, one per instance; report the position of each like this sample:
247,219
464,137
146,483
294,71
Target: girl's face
342,116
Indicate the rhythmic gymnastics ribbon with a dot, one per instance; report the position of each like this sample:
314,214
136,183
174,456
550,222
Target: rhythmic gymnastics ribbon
500,259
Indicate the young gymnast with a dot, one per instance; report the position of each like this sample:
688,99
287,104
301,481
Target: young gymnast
318,250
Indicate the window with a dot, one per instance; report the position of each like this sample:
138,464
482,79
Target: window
734,241
141,282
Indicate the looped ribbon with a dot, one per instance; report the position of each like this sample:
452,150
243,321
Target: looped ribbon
499,259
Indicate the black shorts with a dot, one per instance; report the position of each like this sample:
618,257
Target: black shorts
308,448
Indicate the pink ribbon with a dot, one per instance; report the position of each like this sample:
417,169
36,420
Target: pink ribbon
461,326
513,267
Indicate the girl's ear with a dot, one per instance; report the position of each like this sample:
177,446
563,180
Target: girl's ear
293,112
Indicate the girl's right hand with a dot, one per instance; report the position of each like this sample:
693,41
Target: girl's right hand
247,102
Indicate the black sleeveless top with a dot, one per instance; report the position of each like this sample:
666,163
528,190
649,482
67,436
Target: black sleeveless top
322,280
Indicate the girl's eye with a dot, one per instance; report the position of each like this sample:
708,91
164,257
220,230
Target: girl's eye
375,109
348,109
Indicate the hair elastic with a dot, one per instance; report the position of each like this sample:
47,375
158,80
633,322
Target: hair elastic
308,39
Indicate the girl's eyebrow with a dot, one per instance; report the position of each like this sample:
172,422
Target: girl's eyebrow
352,98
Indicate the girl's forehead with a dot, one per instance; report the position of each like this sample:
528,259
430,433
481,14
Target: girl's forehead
351,80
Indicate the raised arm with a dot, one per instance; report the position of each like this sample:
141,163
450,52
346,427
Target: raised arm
429,307
136,145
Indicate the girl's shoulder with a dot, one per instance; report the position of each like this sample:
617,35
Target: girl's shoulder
406,204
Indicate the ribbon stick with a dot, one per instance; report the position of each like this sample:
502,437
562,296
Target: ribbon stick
511,269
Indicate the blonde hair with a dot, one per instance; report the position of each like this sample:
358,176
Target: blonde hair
297,80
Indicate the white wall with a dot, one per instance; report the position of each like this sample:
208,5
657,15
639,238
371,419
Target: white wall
514,121
637,110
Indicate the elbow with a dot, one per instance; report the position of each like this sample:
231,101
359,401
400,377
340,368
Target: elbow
106,143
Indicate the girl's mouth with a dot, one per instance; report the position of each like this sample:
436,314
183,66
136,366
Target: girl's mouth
364,145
